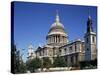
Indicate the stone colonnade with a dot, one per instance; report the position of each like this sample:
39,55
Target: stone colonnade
56,39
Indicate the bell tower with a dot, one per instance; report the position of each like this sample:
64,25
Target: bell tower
90,41
31,53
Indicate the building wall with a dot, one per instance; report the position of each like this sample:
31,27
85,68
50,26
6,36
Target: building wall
90,46
72,52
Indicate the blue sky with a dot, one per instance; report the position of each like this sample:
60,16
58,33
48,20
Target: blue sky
32,22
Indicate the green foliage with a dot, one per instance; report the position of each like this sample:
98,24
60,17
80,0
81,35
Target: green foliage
88,64
46,62
22,68
59,62
34,64
17,65
13,58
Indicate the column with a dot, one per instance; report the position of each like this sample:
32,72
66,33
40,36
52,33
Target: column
48,40
59,39
56,39
63,39
51,39
75,59
69,61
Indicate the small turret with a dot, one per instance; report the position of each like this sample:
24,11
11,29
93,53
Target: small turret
31,53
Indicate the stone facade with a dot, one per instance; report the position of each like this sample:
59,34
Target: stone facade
59,45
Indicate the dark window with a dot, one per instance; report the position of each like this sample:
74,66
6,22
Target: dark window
59,38
65,50
54,52
87,40
56,39
43,52
75,47
40,53
60,52
70,48
93,39
87,49
71,59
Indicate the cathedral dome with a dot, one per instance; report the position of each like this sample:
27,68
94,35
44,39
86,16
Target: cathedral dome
56,35
57,27
57,24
